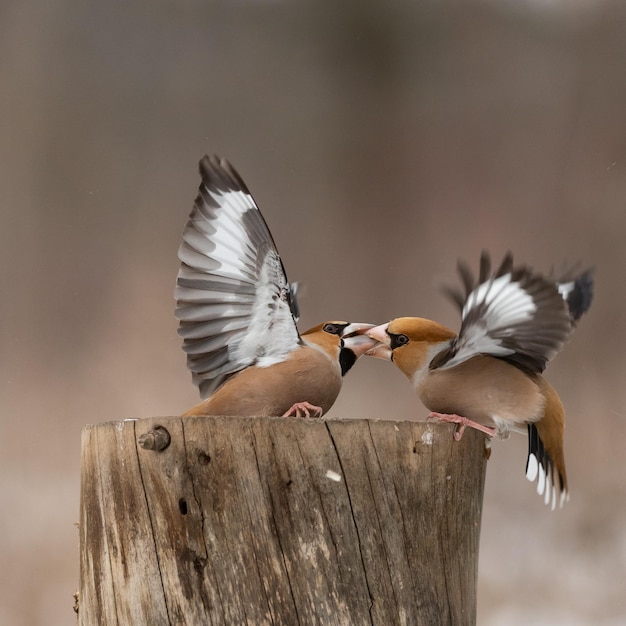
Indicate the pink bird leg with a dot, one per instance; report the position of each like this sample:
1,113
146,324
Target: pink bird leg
304,409
463,423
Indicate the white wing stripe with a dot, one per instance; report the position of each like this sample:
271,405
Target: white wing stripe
232,291
503,298
518,315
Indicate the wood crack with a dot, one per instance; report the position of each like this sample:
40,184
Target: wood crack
395,540
263,480
152,523
354,521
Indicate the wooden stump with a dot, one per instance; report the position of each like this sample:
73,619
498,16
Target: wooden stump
279,521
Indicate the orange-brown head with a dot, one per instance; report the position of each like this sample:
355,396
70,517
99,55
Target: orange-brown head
410,342
342,341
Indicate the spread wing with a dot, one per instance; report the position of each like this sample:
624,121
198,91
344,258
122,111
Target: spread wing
513,313
577,291
234,303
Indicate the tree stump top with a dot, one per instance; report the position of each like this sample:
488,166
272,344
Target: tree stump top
224,520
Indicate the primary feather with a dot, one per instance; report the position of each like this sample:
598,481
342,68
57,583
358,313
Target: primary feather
235,305
513,314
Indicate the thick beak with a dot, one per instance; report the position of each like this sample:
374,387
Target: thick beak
380,334
381,349
355,345
357,328
355,339
359,344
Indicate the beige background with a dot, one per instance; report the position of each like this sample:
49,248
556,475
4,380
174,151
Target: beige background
382,141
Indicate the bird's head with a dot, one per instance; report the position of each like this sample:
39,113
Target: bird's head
410,342
342,340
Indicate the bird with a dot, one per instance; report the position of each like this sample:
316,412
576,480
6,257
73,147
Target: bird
489,375
238,313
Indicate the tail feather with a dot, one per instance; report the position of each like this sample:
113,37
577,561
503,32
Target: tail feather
546,460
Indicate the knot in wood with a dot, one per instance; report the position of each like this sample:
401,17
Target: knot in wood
156,439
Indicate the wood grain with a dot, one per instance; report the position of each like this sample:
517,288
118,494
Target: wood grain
280,521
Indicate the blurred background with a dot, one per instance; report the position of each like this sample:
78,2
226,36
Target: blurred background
382,141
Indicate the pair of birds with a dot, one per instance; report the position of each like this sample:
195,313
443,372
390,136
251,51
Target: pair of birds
238,314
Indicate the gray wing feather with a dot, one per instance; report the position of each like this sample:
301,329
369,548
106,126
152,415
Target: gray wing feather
513,314
234,302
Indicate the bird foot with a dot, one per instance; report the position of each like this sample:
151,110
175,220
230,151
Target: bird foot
463,423
304,409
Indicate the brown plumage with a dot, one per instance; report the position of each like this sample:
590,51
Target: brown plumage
238,313
489,375
309,379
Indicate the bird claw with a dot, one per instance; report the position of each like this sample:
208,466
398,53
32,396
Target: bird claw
304,409
462,424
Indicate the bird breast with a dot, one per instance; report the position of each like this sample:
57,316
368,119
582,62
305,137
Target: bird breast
485,389
307,375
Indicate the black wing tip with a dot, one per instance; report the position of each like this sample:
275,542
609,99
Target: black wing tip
580,298
506,265
464,270
218,173
466,275
292,296
454,294
550,317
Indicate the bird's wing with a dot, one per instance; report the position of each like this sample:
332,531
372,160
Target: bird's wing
577,291
234,303
513,313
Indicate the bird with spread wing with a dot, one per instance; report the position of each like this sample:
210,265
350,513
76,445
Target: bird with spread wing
237,313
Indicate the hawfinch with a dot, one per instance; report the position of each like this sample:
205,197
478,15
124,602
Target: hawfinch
489,375
238,313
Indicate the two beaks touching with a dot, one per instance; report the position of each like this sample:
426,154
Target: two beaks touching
238,320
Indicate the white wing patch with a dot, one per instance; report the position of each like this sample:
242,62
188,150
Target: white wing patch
229,247
232,292
565,289
505,298
515,314
492,311
269,337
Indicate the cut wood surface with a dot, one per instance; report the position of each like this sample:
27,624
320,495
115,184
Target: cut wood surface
279,521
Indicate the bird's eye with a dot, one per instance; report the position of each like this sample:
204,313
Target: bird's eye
398,340
333,329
